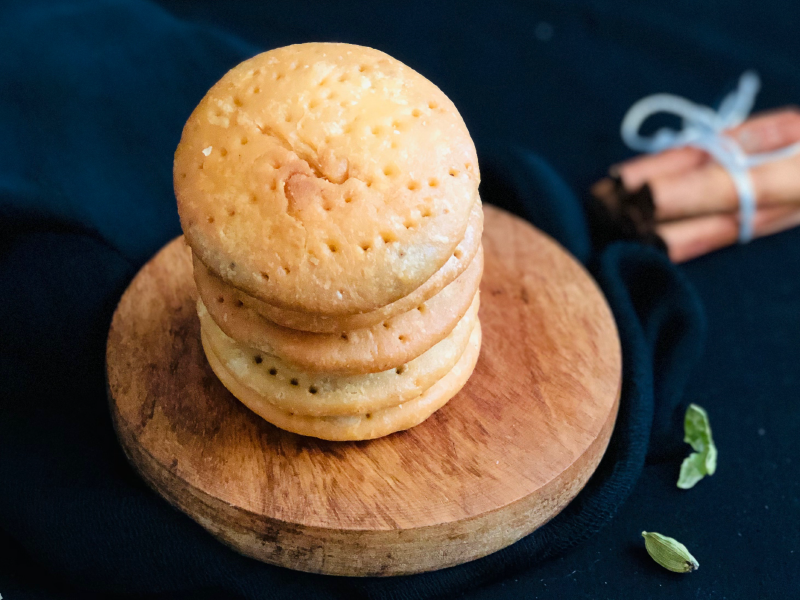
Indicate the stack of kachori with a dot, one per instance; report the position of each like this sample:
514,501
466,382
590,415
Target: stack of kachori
329,194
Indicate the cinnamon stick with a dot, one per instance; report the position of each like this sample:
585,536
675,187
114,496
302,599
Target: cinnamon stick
689,238
761,133
709,189
686,182
690,202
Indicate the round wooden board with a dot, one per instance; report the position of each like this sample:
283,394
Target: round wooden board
499,460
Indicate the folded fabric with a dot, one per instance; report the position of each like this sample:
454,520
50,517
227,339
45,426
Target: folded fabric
94,98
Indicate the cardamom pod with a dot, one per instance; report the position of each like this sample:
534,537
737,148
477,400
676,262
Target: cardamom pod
669,553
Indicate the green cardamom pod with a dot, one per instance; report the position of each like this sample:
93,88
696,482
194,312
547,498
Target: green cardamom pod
669,553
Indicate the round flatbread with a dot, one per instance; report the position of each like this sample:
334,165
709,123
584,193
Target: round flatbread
325,178
211,287
364,426
322,394
386,345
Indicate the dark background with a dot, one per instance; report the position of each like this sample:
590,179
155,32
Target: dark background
552,77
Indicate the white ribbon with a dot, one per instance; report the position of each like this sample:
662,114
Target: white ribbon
705,128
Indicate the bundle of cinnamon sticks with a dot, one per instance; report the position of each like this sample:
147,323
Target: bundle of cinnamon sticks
690,202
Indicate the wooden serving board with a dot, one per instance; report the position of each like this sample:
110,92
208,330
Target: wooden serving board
499,460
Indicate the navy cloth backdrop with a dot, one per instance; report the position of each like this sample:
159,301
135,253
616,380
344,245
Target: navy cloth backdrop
93,96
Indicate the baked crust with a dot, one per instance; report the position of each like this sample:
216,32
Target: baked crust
383,346
212,287
325,178
301,392
363,426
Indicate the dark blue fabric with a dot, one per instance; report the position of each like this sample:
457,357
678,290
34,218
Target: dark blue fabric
93,95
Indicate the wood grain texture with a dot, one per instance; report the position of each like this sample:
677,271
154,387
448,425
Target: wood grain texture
499,460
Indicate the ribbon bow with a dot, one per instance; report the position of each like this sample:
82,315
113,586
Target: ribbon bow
704,128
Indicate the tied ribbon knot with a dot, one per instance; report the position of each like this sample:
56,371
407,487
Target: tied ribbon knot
704,128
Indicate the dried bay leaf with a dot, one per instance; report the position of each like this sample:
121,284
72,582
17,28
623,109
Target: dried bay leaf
703,461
